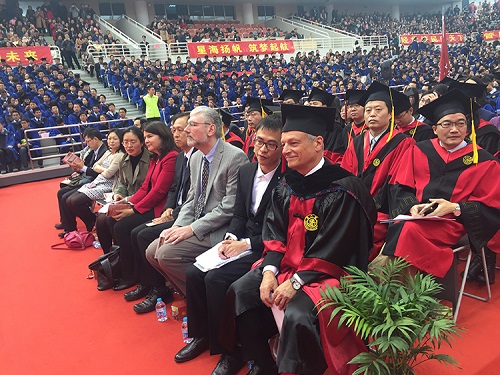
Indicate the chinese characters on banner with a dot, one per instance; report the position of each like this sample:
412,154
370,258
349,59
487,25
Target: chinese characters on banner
454,38
491,35
16,55
240,48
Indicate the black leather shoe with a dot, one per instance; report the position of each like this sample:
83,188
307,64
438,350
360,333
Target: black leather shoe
257,370
229,364
491,259
59,226
62,234
140,292
149,304
475,268
192,350
123,284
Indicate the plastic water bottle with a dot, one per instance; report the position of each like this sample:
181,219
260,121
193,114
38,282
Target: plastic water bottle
161,310
184,328
96,244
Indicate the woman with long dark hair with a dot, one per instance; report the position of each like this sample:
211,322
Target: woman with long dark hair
148,202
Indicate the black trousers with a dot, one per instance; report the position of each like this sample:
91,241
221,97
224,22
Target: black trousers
65,216
104,229
79,205
300,350
129,259
141,237
205,294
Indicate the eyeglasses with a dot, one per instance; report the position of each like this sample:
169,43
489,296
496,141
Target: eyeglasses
259,143
130,143
195,124
448,124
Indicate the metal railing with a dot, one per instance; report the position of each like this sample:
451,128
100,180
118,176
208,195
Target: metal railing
73,145
322,26
143,27
116,50
302,26
116,32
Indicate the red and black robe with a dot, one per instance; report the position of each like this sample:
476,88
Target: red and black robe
418,130
335,143
375,169
316,225
429,171
233,137
248,147
488,136
353,130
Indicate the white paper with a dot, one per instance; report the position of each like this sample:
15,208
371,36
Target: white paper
210,259
104,209
413,218
279,315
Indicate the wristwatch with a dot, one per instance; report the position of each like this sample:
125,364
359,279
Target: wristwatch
457,211
295,284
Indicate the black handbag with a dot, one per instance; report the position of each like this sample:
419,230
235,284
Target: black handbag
107,269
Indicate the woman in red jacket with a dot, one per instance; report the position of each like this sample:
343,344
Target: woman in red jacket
147,203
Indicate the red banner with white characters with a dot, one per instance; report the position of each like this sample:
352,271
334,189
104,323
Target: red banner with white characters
453,38
491,35
16,55
240,48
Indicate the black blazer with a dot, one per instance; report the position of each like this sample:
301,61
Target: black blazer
178,184
89,160
244,224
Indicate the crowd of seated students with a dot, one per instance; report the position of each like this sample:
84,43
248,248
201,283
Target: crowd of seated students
45,97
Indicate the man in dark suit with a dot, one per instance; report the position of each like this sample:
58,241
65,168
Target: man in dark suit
204,217
93,152
151,283
206,291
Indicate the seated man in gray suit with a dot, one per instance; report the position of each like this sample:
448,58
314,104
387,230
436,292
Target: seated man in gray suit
204,217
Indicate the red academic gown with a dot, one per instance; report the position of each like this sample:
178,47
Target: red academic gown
249,145
232,138
354,130
375,168
418,130
427,171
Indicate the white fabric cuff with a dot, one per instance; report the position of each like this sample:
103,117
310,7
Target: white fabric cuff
273,269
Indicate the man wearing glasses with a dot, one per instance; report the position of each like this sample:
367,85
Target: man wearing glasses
205,215
206,290
406,123
445,177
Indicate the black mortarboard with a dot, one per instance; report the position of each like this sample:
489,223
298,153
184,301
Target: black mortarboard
307,119
447,80
83,83
354,96
471,90
401,102
322,96
377,91
454,101
296,95
258,104
227,118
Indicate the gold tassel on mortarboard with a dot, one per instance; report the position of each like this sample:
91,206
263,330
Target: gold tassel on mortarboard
262,112
475,156
392,117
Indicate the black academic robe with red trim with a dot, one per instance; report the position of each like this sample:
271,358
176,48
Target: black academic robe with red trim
488,136
418,130
234,139
375,169
427,171
249,144
353,130
335,143
315,226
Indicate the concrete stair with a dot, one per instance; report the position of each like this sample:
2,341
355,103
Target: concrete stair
111,96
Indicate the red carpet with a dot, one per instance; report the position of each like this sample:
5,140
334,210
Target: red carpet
54,321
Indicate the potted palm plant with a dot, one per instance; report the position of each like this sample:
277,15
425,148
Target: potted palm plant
396,314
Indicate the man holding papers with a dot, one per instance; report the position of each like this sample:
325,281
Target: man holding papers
446,177
206,290
320,219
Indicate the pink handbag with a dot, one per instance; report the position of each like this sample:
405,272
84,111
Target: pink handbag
75,240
